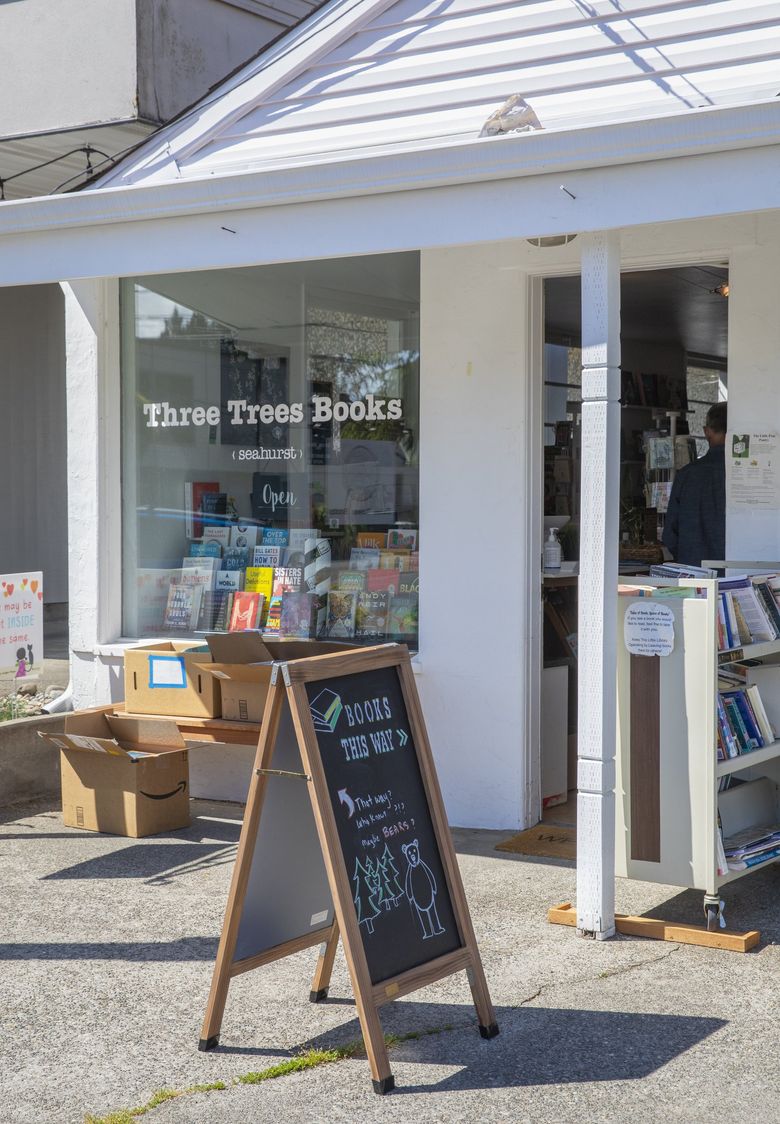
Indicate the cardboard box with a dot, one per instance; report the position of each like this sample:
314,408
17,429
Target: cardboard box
242,667
244,688
168,677
123,776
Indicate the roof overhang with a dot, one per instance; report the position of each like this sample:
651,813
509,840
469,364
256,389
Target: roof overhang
701,164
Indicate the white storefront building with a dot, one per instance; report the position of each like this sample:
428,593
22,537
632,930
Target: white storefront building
339,184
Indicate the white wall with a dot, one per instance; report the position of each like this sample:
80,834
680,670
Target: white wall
187,46
754,375
66,63
32,436
474,636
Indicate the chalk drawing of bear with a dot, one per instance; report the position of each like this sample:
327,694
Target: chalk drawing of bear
420,887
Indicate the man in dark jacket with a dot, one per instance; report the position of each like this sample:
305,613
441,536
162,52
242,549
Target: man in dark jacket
695,524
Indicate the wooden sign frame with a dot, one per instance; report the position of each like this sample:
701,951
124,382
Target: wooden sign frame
369,997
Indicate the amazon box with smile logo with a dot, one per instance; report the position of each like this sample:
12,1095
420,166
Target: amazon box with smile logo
123,776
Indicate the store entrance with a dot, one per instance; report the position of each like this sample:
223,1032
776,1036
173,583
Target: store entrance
674,336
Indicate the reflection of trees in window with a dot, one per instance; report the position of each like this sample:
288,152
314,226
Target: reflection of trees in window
360,355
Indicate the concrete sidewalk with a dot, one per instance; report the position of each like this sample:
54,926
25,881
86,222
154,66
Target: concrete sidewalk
107,952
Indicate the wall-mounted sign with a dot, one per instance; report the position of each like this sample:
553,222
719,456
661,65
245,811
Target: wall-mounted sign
648,629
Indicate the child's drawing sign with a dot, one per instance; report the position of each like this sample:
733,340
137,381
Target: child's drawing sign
648,629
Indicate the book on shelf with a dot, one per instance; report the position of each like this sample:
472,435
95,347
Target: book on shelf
229,581
749,720
267,556
659,453
273,619
396,558
275,536
340,614
213,509
246,612
223,609
299,615
407,539
235,558
351,581
678,570
244,535
363,558
287,579
206,564
402,617
205,548
218,533
298,537
371,614
183,607
260,579
382,580
371,540
194,491
408,582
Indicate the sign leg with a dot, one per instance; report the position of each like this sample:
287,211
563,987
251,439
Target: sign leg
488,1027
321,981
376,1047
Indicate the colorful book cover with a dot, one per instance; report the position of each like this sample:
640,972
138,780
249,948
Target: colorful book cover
352,581
408,582
299,615
206,548
371,540
245,535
183,607
273,620
395,559
194,491
229,581
377,580
287,579
363,558
340,618
267,556
276,536
399,537
260,579
235,558
402,617
246,612
371,615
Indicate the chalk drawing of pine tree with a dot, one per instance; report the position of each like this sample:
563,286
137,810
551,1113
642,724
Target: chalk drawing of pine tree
364,896
396,890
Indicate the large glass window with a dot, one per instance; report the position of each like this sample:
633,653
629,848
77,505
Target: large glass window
270,450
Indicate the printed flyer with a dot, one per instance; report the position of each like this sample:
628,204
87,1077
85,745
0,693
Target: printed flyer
21,624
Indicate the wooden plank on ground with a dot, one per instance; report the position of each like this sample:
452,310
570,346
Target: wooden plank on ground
656,929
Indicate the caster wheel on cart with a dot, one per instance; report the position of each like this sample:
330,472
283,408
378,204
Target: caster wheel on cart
712,913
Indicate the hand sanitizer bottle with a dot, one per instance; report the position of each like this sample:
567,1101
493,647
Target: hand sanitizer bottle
552,551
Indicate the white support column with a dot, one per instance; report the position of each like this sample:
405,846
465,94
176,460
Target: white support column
94,487
597,627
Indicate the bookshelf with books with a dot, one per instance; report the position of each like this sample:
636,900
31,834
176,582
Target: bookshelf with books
698,751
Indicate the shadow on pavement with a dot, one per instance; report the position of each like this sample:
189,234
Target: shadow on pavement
157,863
536,1045
185,948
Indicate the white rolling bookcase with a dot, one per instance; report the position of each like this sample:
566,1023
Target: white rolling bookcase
667,772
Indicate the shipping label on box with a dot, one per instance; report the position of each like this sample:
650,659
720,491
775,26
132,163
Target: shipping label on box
169,678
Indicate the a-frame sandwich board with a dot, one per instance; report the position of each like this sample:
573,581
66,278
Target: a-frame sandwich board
380,835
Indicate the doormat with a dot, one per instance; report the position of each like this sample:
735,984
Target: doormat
548,841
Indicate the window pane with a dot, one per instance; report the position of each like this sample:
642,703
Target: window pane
271,450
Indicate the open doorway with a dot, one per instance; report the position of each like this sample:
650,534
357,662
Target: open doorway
674,345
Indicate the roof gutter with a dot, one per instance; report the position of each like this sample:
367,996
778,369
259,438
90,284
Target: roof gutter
484,159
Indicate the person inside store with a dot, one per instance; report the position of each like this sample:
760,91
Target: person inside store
695,524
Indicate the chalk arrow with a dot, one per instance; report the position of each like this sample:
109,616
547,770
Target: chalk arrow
403,737
348,802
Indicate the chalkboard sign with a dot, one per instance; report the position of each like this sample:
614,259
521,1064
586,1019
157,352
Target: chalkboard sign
387,839
378,830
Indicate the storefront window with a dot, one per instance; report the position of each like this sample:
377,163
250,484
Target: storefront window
270,451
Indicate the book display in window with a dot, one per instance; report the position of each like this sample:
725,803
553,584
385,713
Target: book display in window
246,611
298,616
183,607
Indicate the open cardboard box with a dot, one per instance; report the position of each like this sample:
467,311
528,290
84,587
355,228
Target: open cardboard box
122,775
242,667
169,677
